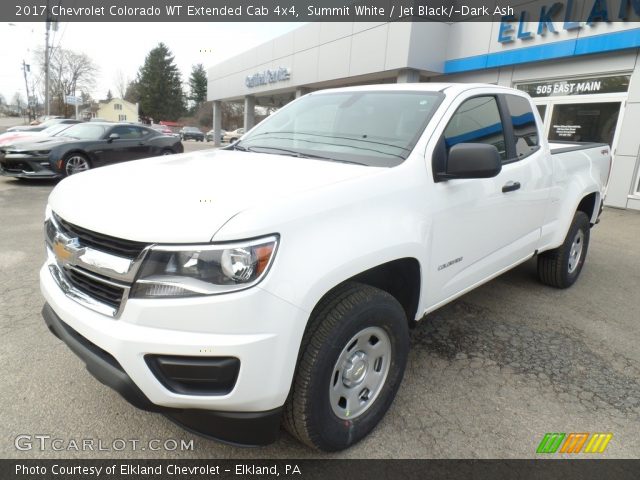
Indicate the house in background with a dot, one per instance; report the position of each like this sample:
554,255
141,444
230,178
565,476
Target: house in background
114,110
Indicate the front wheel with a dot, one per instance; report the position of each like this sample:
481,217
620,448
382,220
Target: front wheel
351,364
75,163
561,266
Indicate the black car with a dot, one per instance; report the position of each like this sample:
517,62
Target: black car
43,125
192,133
84,146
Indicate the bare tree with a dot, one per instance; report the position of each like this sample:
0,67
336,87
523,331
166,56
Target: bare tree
70,73
17,100
121,83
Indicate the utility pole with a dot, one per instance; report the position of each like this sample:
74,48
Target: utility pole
25,69
46,61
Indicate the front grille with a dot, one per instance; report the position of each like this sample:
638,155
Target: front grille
103,292
16,166
99,241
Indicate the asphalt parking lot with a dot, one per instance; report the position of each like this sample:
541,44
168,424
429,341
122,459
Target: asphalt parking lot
488,375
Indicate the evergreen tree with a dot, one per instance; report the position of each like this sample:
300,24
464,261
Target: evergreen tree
109,96
198,85
132,93
160,86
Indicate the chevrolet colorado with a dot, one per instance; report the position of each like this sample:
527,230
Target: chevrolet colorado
275,280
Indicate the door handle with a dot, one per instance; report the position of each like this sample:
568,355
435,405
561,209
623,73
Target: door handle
140,144
510,186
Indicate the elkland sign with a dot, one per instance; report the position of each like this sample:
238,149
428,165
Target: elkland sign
565,16
266,77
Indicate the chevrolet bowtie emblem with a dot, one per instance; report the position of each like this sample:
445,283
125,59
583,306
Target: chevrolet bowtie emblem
66,249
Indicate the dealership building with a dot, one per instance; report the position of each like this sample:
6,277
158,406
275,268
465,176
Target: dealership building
583,77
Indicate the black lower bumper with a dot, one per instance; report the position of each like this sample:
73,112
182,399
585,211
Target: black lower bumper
238,428
26,168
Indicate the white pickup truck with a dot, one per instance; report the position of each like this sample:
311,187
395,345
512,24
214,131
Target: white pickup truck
275,280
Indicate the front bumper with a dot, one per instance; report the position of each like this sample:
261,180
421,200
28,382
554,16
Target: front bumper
26,167
254,326
245,428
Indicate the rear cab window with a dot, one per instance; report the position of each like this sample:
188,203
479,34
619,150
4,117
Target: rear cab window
523,122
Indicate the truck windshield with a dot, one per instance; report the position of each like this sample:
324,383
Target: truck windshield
373,128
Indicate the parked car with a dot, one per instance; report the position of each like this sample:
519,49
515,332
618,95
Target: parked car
43,125
12,138
211,133
233,136
192,133
44,118
165,130
291,293
83,147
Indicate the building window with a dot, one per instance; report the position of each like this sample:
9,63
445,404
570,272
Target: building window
117,106
122,118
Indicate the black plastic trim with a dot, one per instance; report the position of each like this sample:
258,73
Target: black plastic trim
195,375
237,428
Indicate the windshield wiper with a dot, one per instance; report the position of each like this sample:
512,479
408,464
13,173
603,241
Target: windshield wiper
236,146
344,145
363,140
295,153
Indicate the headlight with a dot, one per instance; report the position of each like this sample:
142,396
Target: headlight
205,269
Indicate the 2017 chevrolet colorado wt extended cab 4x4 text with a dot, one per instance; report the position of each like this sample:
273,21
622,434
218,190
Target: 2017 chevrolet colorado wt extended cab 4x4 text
276,280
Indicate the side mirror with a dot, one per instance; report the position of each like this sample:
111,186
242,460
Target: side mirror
113,136
472,160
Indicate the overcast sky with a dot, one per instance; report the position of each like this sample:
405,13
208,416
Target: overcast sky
123,46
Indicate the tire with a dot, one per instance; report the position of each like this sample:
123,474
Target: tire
332,368
167,151
75,163
561,266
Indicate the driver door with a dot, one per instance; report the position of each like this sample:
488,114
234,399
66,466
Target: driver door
483,226
130,144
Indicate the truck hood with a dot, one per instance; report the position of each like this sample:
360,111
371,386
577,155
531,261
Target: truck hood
187,198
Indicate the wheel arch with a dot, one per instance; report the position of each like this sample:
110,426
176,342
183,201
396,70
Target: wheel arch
63,157
400,278
589,205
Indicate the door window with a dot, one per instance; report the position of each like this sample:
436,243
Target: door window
128,133
477,120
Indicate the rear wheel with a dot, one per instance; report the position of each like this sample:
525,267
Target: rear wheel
75,163
167,151
351,363
561,266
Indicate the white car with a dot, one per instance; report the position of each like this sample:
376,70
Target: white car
209,135
277,278
233,136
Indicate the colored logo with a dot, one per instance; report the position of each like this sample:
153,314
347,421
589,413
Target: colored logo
574,442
